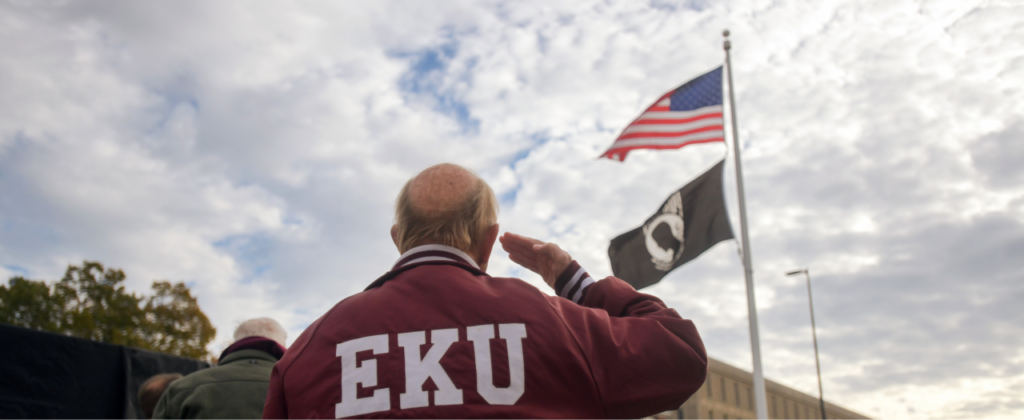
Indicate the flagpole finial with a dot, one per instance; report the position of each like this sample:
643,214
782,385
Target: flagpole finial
725,33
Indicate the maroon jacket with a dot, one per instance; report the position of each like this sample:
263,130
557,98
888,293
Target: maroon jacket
498,347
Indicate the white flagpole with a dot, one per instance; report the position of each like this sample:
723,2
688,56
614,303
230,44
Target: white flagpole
761,402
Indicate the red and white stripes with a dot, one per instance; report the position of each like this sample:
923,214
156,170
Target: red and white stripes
659,128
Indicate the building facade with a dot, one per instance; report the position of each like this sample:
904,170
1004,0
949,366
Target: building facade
728,393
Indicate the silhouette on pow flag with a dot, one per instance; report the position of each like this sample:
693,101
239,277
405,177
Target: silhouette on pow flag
691,221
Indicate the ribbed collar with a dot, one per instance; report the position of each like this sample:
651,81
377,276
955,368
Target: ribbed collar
434,252
263,344
430,254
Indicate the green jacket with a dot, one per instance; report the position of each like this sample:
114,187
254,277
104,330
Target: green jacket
235,389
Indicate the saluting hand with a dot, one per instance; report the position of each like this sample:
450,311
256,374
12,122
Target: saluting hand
544,258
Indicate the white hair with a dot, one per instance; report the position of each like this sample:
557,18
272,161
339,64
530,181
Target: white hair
261,327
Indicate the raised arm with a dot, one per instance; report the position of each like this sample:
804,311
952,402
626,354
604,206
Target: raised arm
544,258
645,358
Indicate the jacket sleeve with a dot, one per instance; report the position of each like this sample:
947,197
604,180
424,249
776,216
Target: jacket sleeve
643,356
274,407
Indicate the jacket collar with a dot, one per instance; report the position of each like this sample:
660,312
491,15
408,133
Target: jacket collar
263,344
433,254
246,354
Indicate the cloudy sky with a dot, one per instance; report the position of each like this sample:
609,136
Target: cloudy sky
254,150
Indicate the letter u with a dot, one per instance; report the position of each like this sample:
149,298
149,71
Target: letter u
513,334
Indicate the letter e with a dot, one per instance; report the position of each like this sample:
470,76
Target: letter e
352,375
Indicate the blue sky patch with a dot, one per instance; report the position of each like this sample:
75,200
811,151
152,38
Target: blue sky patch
17,270
425,78
252,252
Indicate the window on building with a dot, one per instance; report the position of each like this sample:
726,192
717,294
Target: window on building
750,399
711,414
708,383
775,407
722,382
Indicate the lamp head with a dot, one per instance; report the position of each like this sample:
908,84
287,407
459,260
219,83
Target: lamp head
795,272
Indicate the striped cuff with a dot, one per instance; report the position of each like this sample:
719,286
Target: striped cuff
572,284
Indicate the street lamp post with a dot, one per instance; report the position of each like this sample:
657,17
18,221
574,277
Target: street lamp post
814,333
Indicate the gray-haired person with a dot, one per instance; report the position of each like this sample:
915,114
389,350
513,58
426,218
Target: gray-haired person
237,387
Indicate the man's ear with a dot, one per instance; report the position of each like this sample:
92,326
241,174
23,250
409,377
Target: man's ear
483,251
394,236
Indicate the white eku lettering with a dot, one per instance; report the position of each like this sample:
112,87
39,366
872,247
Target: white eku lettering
366,374
419,369
513,334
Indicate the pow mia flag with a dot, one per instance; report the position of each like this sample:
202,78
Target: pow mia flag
692,220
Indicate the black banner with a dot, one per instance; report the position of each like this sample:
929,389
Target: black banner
46,375
691,221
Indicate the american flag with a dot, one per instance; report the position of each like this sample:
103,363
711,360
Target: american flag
689,114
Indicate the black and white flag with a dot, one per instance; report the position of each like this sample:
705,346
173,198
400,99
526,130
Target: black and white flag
692,220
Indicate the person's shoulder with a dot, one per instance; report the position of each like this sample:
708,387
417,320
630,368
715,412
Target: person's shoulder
240,370
306,336
186,385
516,285
451,274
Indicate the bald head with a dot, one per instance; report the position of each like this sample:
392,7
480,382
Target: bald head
441,189
449,205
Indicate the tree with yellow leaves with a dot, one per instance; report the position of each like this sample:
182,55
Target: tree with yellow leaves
91,303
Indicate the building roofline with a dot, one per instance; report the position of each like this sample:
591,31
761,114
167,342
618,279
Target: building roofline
741,375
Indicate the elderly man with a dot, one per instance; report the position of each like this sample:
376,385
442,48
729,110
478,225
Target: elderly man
438,337
237,387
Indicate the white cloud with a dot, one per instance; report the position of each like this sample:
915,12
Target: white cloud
254,150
